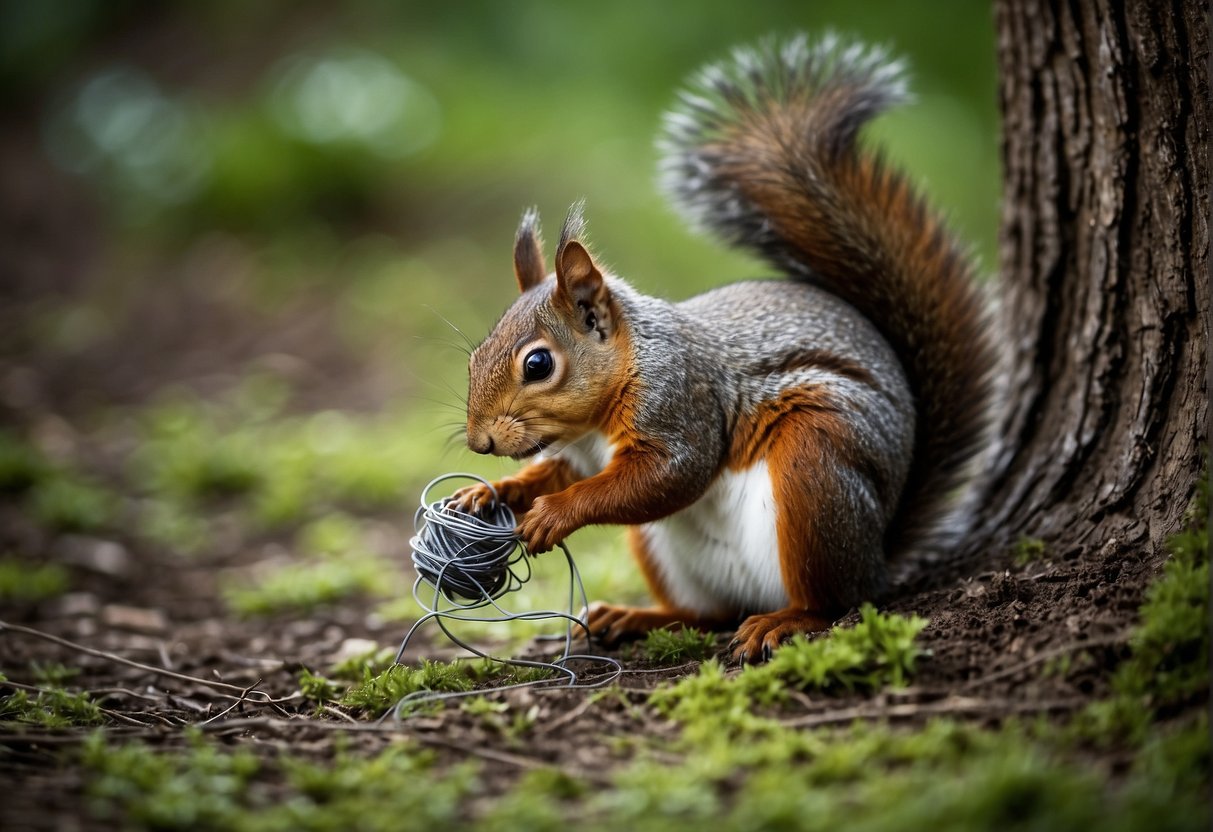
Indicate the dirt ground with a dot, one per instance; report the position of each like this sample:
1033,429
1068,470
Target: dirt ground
989,637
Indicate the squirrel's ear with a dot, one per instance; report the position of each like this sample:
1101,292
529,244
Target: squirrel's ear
528,252
581,284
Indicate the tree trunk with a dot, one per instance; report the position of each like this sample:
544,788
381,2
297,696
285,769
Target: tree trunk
1105,274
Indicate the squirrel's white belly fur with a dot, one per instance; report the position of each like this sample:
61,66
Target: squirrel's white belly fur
721,553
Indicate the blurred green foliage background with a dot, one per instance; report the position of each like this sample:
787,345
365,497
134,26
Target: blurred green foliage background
381,141
290,201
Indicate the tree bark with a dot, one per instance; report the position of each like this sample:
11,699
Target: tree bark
1104,274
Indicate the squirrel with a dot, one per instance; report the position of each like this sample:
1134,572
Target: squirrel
771,444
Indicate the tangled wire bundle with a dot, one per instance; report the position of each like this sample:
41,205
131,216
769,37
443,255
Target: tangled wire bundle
470,561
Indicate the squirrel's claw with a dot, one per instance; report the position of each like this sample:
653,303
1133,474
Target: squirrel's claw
759,635
472,499
602,620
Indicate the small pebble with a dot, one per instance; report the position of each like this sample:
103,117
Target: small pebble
136,619
352,648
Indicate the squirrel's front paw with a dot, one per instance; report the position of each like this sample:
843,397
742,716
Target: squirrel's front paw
544,526
472,499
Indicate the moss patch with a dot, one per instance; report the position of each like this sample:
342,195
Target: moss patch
879,650
378,694
687,644
207,787
1169,664
49,708
25,582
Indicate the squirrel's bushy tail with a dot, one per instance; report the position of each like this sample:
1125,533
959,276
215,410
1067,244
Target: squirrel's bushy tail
762,150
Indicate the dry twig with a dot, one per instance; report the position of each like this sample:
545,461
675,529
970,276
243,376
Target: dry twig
226,689
952,706
1066,649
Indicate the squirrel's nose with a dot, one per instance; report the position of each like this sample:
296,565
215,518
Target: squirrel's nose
482,444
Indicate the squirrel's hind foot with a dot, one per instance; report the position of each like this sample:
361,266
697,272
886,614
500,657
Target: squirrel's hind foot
759,635
610,624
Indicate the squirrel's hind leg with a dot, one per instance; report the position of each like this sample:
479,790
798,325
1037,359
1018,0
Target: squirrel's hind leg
829,526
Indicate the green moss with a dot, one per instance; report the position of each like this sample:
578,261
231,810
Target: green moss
53,674
1171,644
998,782
650,795
21,465
483,706
196,458
173,523
516,675
1169,661
66,503
541,801
49,708
283,499
667,646
880,650
207,787
26,582
58,497
304,586
378,694
202,788
711,702
1175,764
1028,550
395,789
366,665
224,470
318,688
279,470
333,535
187,453
944,775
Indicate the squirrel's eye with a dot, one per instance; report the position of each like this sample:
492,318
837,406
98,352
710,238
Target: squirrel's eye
538,365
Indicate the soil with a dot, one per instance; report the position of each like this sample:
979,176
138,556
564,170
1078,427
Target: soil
993,625
990,636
